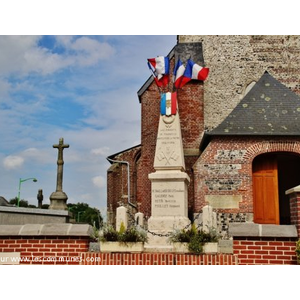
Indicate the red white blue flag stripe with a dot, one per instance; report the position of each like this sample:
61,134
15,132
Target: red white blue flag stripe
168,104
193,71
178,73
159,65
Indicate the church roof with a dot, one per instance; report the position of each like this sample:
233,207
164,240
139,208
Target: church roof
269,108
113,156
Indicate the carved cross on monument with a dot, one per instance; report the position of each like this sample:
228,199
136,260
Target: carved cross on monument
58,199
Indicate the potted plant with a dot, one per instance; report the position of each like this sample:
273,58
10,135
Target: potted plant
125,240
298,252
194,240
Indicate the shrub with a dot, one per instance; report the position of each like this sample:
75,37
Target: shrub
194,237
298,251
109,234
133,234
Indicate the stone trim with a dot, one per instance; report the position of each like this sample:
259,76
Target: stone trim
262,147
34,211
262,230
46,230
293,190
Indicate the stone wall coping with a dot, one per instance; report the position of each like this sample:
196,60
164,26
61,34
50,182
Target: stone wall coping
168,174
34,211
53,229
262,230
295,189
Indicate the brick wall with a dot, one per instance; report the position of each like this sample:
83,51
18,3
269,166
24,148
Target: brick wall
74,250
117,185
225,167
265,251
46,250
157,259
295,209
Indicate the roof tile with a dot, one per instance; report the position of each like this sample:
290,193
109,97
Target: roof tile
269,108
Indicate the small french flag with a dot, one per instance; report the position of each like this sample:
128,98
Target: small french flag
168,104
194,71
160,66
178,73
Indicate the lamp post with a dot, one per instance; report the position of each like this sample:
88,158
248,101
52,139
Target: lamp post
78,216
20,181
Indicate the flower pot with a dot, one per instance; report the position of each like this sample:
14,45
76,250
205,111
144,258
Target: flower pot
210,248
180,247
121,247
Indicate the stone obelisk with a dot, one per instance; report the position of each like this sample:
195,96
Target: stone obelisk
169,184
58,199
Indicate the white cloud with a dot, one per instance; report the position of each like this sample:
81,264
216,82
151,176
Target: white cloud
31,152
103,151
43,61
64,40
22,54
13,52
99,181
12,162
90,51
44,156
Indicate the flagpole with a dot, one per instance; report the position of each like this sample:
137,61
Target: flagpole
175,89
152,73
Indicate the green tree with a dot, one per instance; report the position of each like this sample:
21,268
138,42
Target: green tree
83,213
22,203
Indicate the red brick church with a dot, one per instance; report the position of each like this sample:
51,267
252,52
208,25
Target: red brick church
240,131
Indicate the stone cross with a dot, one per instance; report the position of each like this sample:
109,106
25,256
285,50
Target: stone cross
60,163
58,199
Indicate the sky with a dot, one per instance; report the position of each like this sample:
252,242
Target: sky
81,88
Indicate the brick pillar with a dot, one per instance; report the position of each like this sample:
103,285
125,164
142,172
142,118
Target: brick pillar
294,195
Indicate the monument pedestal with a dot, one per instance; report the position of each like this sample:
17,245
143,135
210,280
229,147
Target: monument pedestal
58,200
169,186
169,209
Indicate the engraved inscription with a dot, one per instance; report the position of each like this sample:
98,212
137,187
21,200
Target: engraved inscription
166,198
168,139
223,201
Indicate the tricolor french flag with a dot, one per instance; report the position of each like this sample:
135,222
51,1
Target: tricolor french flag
178,73
160,67
193,71
168,104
